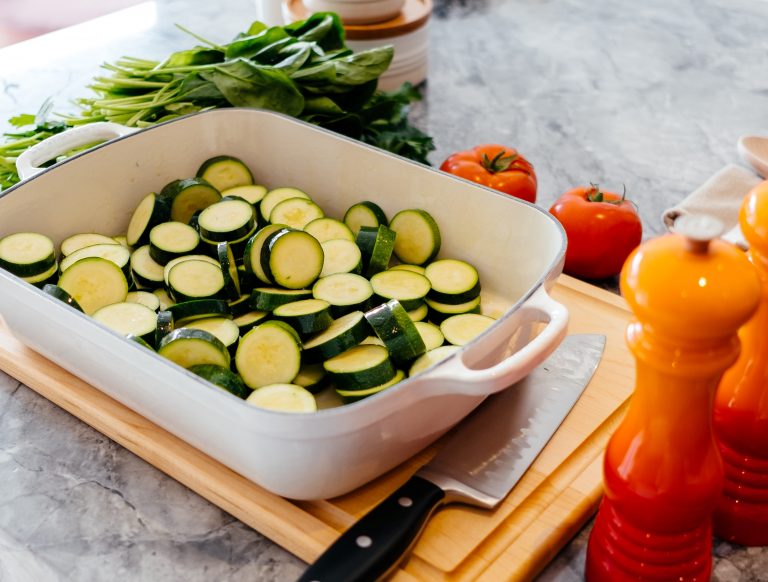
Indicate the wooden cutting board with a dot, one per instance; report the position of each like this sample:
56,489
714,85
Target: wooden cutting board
552,501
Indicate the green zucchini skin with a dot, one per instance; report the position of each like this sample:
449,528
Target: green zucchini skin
150,212
297,277
395,328
345,332
376,246
270,298
365,213
200,347
225,172
419,238
199,309
165,325
229,269
61,295
14,244
188,196
350,396
223,378
377,368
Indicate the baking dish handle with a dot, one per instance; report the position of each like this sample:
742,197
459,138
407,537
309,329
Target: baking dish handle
29,162
476,380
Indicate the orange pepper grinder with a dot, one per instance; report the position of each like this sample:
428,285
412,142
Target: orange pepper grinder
690,292
741,403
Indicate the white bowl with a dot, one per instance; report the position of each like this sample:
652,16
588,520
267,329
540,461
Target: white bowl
518,248
358,11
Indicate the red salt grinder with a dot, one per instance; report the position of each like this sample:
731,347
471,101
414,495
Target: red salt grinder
690,292
741,403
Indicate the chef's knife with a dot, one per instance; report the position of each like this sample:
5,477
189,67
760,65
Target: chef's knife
484,458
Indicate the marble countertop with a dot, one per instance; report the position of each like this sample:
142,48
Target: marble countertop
649,95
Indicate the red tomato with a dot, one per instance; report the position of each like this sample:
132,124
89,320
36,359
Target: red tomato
602,228
497,167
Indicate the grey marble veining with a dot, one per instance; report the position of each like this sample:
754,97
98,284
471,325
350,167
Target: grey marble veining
649,95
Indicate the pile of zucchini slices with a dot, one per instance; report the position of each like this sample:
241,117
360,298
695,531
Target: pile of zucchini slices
262,294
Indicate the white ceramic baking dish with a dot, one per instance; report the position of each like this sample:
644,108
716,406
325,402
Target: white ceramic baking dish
517,247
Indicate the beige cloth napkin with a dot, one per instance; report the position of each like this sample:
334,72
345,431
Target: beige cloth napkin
720,196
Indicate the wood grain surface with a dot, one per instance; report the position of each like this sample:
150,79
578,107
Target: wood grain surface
552,501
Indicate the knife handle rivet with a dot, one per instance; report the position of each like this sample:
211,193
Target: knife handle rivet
364,541
405,501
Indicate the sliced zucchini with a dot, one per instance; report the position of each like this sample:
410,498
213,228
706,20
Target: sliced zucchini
283,398
228,219
364,213
165,299
327,228
94,282
407,287
360,367
431,358
171,264
307,316
430,334
252,193
248,280
84,239
349,396
61,295
420,313
114,252
240,305
224,172
372,340
439,311
229,270
223,328
147,273
341,256
345,292
145,298
188,196
252,254
460,329
222,378
313,377
164,325
343,333
398,332
418,236
170,240
190,280
292,258
187,311
47,278
128,318
269,298
453,281
376,245
27,254
406,267
190,347
151,211
138,340
275,197
121,239
269,353
250,319
295,212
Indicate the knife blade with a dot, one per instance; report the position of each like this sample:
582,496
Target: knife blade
482,460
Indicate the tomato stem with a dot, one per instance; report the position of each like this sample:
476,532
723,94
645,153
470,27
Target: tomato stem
595,195
499,162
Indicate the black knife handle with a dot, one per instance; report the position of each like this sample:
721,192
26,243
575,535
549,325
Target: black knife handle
376,543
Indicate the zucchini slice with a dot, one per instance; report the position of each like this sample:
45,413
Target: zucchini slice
295,212
187,311
407,287
341,256
461,329
223,378
249,320
222,327
229,219
251,193
418,236
190,280
229,270
165,300
306,316
224,172
365,213
145,270
275,197
240,305
360,367
172,263
439,311
345,332
189,347
151,211
94,282
61,295
326,228
431,334
283,398
269,353
453,281
345,292
292,258
313,377
188,196
270,298
164,326
431,358
376,245
349,396
118,254
129,318
138,340
406,267
398,332
121,239
420,313
145,298
170,240
27,254
252,254
84,239
48,277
